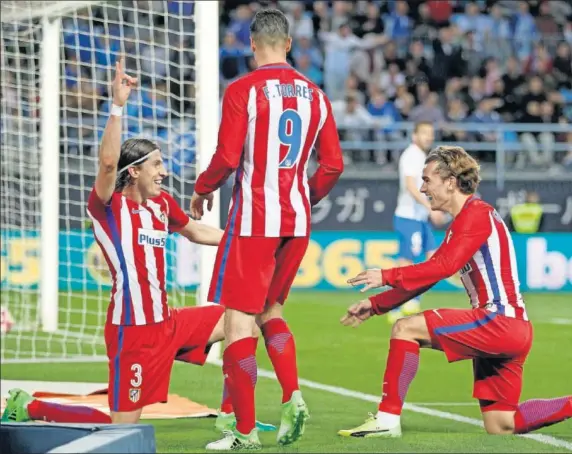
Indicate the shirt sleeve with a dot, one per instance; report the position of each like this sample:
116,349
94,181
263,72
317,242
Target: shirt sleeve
390,299
464,238
95,206
231,137
178,219
329,157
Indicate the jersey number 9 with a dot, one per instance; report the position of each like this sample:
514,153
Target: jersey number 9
290,134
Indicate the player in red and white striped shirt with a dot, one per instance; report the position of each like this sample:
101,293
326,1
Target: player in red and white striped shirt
131,218
495,333
271,120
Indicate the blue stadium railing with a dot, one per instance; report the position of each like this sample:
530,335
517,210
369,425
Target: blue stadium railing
507,138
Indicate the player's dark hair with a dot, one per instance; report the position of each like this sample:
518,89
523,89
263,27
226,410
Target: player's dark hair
270,27
455,162
133,152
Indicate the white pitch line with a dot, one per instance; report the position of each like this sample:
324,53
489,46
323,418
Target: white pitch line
445,404
541,438
560,321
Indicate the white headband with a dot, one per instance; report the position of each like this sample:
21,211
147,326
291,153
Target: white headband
134,163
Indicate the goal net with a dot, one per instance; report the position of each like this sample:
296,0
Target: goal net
57,64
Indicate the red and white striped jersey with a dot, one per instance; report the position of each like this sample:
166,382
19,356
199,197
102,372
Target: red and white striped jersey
271,120
133,237
479,246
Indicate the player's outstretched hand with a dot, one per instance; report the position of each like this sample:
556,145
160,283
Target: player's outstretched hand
370,278
197,205
357,314
122,84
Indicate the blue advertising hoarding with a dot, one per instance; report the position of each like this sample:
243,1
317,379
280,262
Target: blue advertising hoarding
544,260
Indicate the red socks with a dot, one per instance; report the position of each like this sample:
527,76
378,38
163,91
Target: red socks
282,352
226,403
536,413
39,410
402,364
240,371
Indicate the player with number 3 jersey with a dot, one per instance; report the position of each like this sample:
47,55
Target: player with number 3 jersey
132,217
271,120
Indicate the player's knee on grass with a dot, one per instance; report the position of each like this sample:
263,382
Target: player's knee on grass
126,417
499,422
413,328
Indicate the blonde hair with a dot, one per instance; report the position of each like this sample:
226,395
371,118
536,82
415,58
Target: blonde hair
453,161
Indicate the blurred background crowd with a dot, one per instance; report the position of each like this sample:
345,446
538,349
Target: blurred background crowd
455,63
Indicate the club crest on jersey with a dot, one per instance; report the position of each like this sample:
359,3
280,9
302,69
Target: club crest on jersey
158,213
155,238
134,395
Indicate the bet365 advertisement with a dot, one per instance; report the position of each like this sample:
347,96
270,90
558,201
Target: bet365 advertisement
544,261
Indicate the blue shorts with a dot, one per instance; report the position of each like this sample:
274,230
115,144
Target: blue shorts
415,238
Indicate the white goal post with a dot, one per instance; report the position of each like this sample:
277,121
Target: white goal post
57,64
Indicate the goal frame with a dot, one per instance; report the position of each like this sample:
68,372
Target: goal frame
208,113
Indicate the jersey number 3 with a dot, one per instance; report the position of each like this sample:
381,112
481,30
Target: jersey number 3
290,134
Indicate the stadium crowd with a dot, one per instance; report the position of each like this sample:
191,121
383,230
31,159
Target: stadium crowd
381,62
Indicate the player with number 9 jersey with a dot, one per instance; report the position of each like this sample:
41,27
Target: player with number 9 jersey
271,120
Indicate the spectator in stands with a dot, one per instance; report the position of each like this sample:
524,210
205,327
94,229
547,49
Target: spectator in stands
506,104
240,24
457,112
338,47
428,112
390,55
404,101
355,88
425,31
398,26
491,73
301,25
475,92
539,62
353,121
390,79
370,22
562,65
449,56
232,58
386,115
538,147
498,34
304,46
472,21
418,55
304,65
546,25
525,33
472,53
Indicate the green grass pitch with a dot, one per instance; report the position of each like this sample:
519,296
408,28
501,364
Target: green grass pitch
354,359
